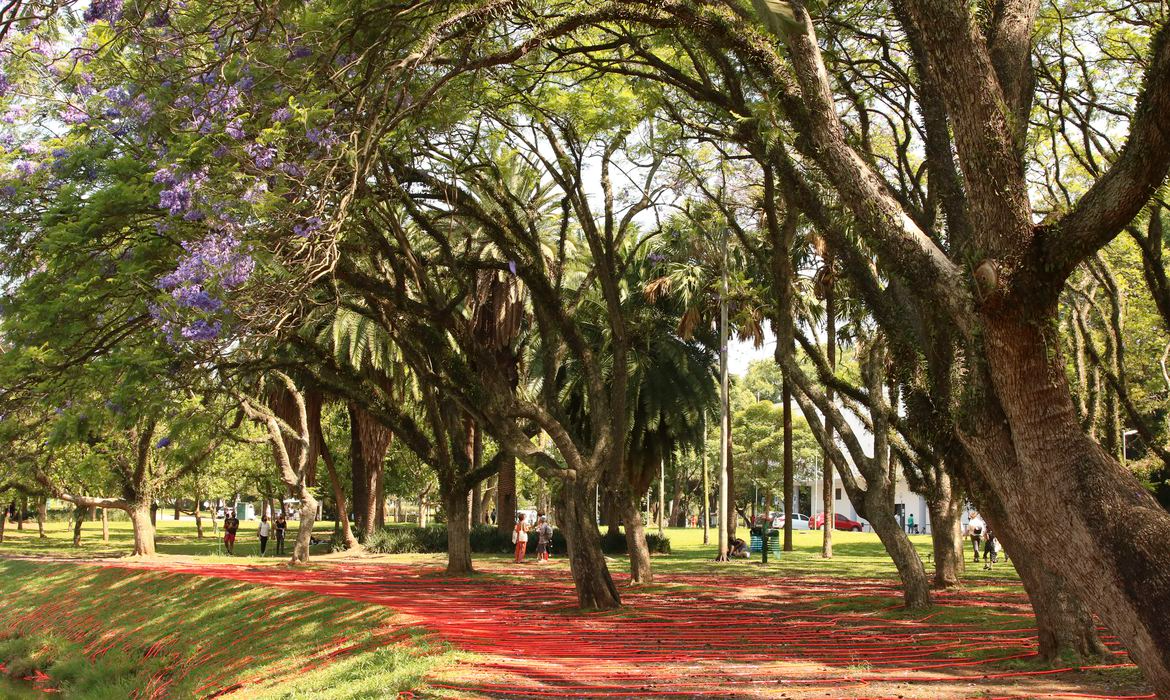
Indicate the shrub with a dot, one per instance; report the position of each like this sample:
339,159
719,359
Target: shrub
615,543
485,539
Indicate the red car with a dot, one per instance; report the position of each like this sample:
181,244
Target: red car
840,522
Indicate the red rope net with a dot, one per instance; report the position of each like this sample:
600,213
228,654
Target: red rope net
700,636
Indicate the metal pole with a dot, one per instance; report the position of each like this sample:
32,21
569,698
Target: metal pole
706,486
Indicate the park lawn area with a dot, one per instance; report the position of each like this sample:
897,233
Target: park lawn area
172,537
106,632
855,555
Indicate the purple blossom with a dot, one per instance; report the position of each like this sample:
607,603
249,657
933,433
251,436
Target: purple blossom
282,115
220,151
7,191
291,169
236,131
202,330
217,257
300,52
195,297
163,442
74,115
26,167
512,266
256,192
108,10
309,226
656,257
4,84
263,156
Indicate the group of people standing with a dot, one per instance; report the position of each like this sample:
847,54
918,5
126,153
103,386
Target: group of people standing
231,525
983,541
544,533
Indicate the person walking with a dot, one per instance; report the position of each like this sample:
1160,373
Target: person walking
281,525
975,528
230,524
520,537
990,549
263,531
544,533
910,527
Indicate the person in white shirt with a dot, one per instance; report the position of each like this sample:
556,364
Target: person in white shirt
975,528
265,528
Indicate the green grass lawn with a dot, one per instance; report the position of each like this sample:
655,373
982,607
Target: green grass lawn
102,633
172,537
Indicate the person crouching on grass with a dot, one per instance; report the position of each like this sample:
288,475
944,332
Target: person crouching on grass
520,537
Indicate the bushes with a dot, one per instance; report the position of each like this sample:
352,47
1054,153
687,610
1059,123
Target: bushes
485,539
615,543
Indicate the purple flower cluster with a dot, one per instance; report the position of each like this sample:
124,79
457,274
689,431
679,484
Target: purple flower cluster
202,330
309,226
178,194
263,156
109,10
217,258
282,114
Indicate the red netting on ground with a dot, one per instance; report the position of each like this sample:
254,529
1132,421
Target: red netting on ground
700,636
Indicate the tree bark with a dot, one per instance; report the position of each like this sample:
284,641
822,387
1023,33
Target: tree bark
506,496
369,441
20,512
351,541
457,502
78,519
789,471
595,587
880,513
827,472
42,515
105,525
1111,544
639,552
946,539
143,526
308,516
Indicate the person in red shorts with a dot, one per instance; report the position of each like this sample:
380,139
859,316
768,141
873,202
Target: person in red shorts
230,524
520,537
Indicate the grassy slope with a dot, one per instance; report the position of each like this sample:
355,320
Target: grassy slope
106,633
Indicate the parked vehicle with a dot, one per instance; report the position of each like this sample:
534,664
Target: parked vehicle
840,522
799,522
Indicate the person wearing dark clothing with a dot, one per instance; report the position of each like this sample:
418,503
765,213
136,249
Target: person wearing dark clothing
281,524
230,524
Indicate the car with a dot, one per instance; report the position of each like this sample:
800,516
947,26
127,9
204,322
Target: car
840,522
799,522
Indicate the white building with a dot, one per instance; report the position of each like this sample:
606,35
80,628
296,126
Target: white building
906,502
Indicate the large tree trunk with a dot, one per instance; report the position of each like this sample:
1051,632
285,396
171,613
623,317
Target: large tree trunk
105,524
42,515
1088,518
78,519
143,526
827,475
732,515
945,506
879,511
595,587
458,504
351,541
20,512
506,496
369,441
639,552
308,516
946,538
